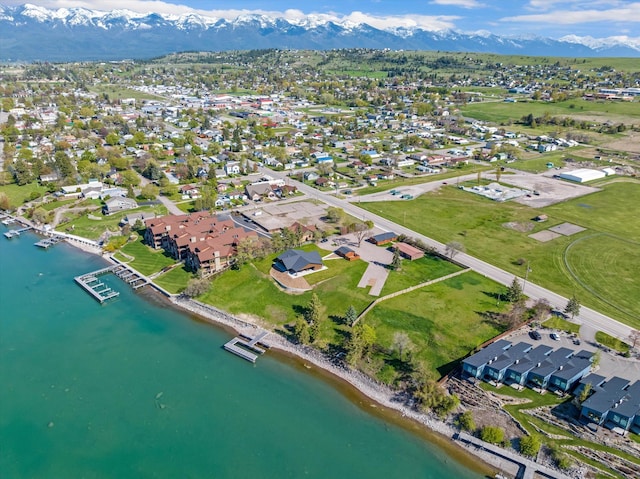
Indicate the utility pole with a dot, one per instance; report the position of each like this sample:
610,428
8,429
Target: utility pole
526,276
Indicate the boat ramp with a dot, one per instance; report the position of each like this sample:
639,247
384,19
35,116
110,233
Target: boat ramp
91,283
246,347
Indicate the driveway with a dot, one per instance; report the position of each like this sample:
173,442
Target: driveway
378,258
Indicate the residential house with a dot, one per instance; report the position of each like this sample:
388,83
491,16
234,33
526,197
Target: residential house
295,261
347,253
568,374
540,376
497,366
383,238
518,372
474,365
306,232
117,204
232,168
260,191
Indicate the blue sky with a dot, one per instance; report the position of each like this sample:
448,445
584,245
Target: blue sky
552,18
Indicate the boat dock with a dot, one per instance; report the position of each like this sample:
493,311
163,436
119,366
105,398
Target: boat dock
11,233
47,242
96,288
246,347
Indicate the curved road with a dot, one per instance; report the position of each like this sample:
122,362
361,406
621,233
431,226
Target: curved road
588,317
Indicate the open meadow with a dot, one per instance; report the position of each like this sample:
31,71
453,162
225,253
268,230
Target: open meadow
499,233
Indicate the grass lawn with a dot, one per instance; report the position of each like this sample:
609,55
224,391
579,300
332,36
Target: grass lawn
554,322
19,194
93,228
147,260
52,205
445,321
175,280
450,214
611,342
416,272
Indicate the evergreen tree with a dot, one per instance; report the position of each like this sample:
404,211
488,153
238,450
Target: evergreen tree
514,293
350,316
396,262
301,331
572,307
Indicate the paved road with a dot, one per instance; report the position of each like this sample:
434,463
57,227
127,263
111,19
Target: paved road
588,316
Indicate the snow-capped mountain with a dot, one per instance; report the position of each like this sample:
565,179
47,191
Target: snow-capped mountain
31,33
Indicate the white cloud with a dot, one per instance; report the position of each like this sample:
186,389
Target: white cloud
427,22
629,13
458,3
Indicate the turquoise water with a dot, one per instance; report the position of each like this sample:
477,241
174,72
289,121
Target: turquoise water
134,389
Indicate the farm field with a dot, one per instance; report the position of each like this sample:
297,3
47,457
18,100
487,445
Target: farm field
495,232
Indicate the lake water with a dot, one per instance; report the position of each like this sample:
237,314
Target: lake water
135,389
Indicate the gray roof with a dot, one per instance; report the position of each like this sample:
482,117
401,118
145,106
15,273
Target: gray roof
553,362
296,260
606,395
510,356
630,405
344,250
529,360
578,363
484,355
387,236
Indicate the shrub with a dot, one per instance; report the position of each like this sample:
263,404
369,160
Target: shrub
466,421
492,434
530,445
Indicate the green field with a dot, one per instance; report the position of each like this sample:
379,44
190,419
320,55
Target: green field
19,194
445,321
450,214
500,112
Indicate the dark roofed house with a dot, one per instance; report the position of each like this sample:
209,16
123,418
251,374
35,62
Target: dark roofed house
570,373
541,374
517,373
296,261
596,408
474,365
347,253
383,238
497,366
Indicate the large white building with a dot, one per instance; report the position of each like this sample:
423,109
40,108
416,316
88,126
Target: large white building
583,175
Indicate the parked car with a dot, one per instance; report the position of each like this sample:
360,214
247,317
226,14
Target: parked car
554,336
535,335
576,341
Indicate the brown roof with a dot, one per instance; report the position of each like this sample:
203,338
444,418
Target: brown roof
409,250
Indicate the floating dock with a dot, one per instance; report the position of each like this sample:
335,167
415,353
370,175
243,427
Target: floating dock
246,347
47,242
11,233
96,288
99,290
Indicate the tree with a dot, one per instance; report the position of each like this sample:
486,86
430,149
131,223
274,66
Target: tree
40,215
313,316
301,331
334,214
149,192
196,287
572,307
401,344
530,445
466,422
541,310
350,316
492,434
362,230
584,394
396,262
634,337
362,338
453,248
514,293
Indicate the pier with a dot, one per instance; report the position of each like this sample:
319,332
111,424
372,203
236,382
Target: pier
246,347
47,242
101,292
96,288
11,233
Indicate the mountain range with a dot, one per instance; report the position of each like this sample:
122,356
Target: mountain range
31,33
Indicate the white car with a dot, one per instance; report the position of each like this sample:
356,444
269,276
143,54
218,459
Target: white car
555,337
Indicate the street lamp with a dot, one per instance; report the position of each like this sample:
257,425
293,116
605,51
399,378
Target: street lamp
526,276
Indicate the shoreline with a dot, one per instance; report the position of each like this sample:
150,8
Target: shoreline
353,384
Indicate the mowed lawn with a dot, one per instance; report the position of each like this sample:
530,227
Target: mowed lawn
147,260
19,194
175,280
445,321
450,214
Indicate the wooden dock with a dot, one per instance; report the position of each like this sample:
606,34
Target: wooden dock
133,278
96,288
246,347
